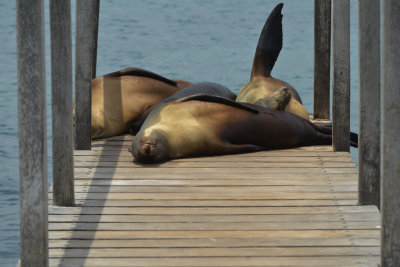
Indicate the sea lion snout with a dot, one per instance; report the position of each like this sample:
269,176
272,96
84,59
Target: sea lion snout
150,148
148,145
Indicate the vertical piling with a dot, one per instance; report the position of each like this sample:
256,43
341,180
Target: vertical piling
322,58
341,76
390,198
87,17
369,102
32,133
61,92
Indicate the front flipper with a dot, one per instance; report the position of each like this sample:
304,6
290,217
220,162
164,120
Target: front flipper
217,99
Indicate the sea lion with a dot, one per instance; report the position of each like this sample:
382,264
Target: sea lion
202,125
120,98
262,85
198,88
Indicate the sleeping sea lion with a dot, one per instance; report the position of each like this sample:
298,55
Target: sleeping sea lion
120,98
202,125
262,85
198,88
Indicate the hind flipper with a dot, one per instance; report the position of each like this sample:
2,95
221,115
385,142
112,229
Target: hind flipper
269,44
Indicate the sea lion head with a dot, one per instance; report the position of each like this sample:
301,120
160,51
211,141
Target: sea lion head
151,147
277,100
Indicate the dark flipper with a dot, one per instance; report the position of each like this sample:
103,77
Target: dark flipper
328,130
269,44
141,73
217,99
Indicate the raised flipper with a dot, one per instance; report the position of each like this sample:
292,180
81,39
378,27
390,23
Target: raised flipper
141,73
269,44
217,99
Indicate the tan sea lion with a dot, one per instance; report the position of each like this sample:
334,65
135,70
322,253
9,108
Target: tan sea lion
204,125
198,88
120,98
262,85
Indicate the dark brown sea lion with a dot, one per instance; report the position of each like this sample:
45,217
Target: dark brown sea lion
203,125
198,88
120,98
262,85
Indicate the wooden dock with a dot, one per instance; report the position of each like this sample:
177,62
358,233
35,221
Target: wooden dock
294,207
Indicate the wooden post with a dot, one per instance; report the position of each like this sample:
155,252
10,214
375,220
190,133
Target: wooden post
369,103
322,58
87,17
32,132
341,76
61,92
390,135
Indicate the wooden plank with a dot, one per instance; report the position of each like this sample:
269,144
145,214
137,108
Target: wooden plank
124,175
390,138
215,243
262,154
322,58
214,189
32,132
222,261
206,170
211,210
123,235
222,159
211,182
61,97
213,252
210,164
186,196
215,203
331,217
341,76
369,102
209,226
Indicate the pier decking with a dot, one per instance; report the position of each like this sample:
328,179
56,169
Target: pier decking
294,207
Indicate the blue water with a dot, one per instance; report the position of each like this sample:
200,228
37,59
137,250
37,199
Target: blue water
197,41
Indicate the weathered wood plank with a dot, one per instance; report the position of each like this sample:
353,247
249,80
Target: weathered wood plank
221,182
213,252
215,203
207,170
122,235
193,164
211,226
215,243
211,210
186,196
127,175
331,217
222,159
222,261
214,189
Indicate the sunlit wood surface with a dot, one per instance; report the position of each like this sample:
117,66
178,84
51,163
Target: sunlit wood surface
294,207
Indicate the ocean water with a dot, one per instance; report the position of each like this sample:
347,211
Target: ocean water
195,40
